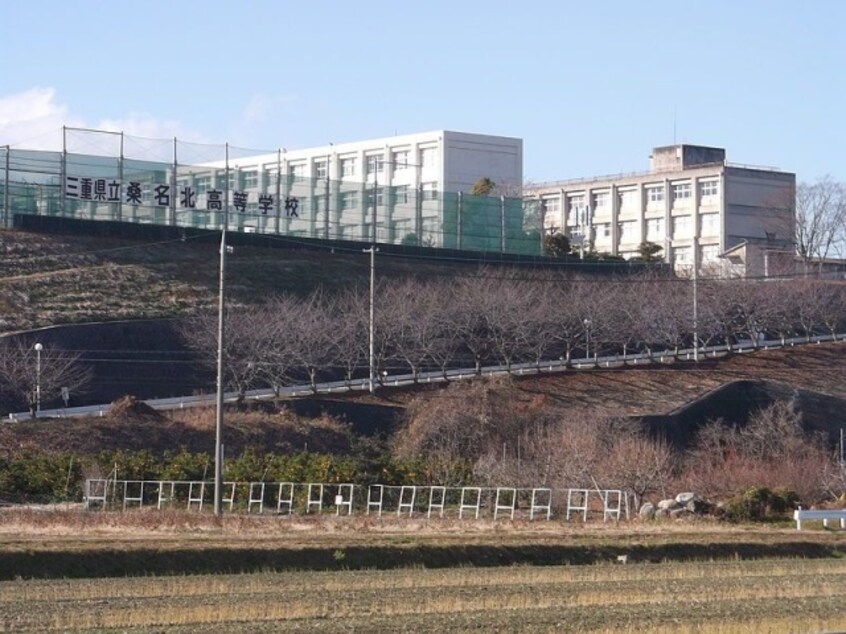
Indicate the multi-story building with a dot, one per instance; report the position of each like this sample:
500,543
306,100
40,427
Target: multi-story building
691,203
406,184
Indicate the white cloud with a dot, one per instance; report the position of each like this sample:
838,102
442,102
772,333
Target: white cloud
34,119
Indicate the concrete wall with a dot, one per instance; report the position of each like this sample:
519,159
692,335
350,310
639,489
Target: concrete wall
758,204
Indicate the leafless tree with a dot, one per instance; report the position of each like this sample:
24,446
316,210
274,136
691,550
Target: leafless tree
25,381
820,219
247,348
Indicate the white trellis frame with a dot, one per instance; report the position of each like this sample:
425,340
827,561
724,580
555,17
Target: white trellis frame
312,501
344,498
285,497
577,502
164,497
468,503
127,498
506,500
375,497
541,503
228,499
437,501
193,498
408,494
96,491
256,497
612,505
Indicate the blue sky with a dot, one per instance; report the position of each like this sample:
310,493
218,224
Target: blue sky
590,87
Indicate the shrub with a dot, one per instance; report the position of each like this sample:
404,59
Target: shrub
758,503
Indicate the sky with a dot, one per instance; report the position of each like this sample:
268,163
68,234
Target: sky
590,87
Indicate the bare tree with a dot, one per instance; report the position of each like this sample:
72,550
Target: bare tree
26,381
247,348
820,219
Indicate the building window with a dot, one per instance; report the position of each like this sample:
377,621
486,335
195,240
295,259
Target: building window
709,224
399,159
628,199
375,163
380,197
551,205
681,191
427,157
349,200
601,199
576,205
710,252
682,227
429,191
203,184
297,170
250,179
628,231
681,255
321,169
709,189
221,182
401,195
347,167
655,229
655,193
603,230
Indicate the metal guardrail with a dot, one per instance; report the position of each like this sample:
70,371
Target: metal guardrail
520,369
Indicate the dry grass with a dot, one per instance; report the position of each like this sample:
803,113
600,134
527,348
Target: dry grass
775,596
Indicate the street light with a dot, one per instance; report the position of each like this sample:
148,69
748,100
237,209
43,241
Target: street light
38,349
587,324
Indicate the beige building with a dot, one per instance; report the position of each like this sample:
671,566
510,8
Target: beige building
691,203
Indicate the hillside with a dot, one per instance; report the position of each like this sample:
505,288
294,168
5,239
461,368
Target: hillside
673,399
48,279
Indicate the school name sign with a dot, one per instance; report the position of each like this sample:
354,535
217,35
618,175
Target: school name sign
106,190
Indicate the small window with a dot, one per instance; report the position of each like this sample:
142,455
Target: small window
709,189
655,193
321,169
250,179
399,160
375,163
601,199
427,157
429,191
349,200
681,227
297,170
347,167
681,191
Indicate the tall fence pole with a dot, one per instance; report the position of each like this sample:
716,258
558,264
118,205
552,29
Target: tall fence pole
6,215
221,304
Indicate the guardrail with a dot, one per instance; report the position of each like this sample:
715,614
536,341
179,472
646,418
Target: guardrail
800,515
520,369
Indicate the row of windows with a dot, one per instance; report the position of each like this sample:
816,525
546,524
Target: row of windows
682,228
397,195
374,164
629,197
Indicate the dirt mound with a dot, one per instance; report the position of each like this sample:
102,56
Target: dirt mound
130,408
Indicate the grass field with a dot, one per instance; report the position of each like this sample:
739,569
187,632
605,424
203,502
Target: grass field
756,596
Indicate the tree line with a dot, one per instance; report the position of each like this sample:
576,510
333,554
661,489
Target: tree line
504,318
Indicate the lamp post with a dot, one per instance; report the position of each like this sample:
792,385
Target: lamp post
38,349
587,324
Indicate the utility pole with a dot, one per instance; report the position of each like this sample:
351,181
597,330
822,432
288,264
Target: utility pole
695,300
221,304
372,251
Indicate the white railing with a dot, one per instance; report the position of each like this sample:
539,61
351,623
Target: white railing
402,501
